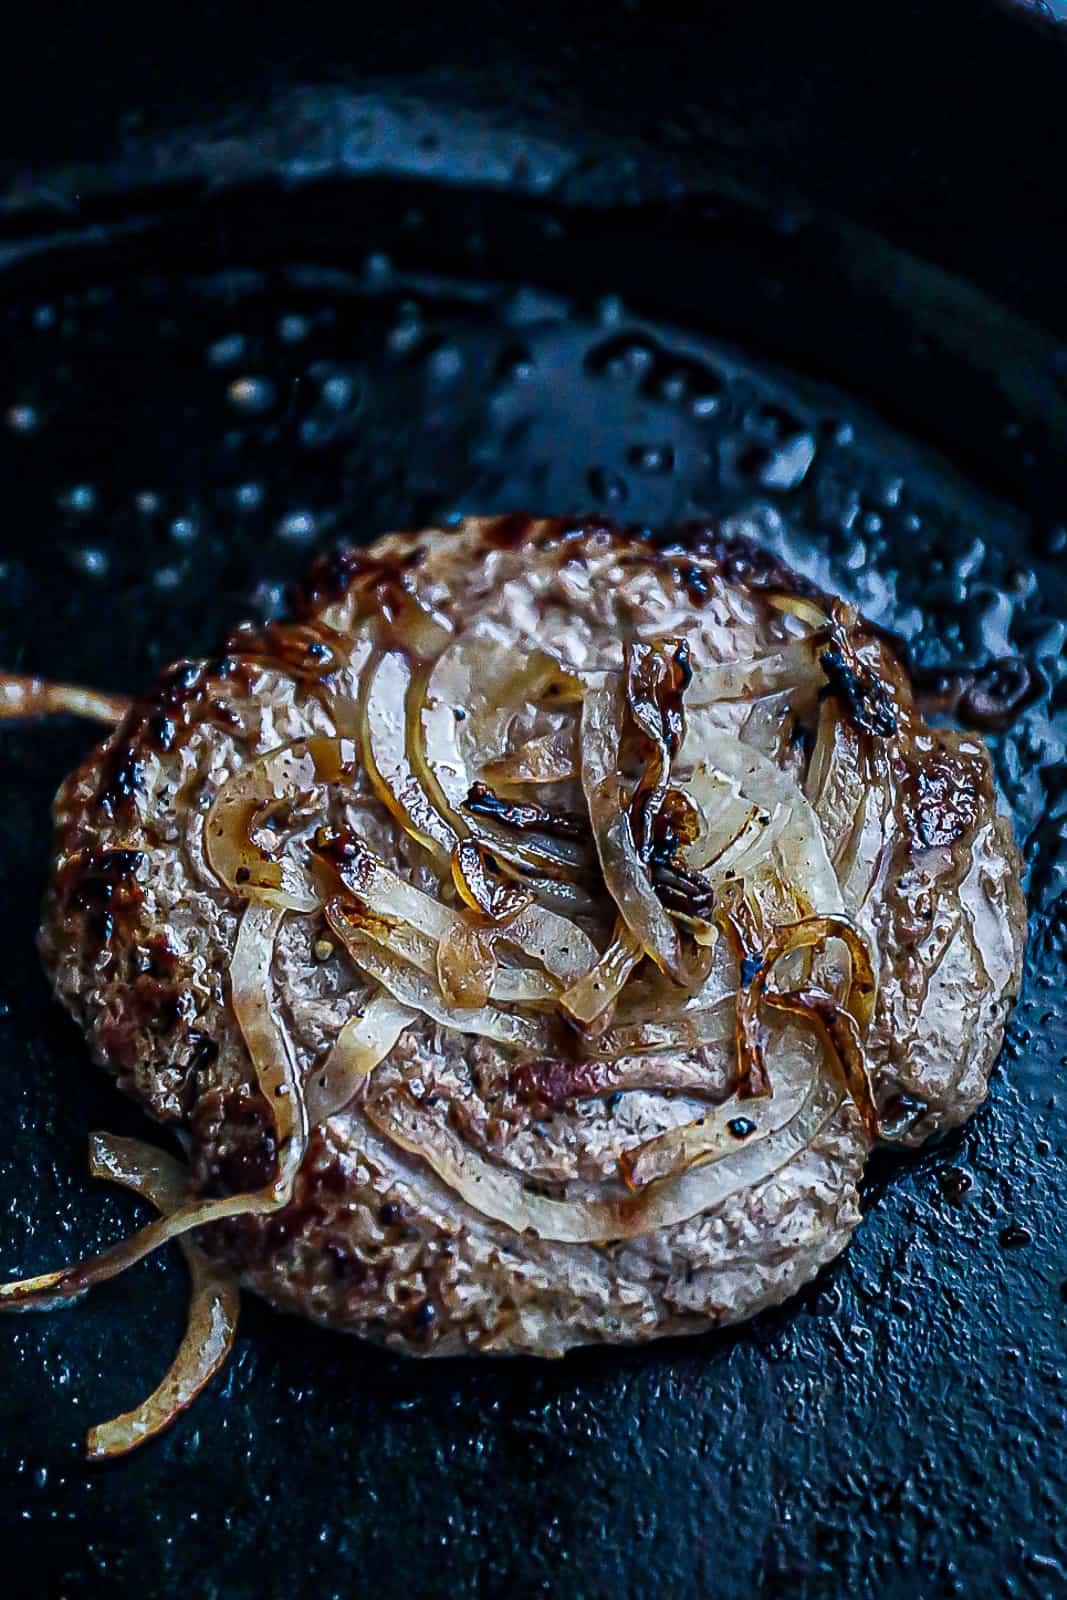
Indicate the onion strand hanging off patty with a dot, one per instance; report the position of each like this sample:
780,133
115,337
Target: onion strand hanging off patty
272,1058
214,1301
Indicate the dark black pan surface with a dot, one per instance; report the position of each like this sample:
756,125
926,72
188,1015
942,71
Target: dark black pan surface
197,392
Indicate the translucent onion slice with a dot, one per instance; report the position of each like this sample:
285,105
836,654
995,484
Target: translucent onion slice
469,700
798,605
777,1137
795,665
865,857
267,1040
600,987
383,891
389,759
466,965
746,854
710,1025
362,1044
650,999
800,844
420,992
507,985
552,758
214,1300
718,1133
473,694
561,947
809,933
38,697
286,773
555,942
840,787
625,874
840,1032
272,1057
480,887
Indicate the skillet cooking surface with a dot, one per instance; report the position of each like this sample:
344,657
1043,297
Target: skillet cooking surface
177,440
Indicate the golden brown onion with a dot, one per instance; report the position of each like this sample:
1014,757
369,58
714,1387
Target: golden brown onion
214,1300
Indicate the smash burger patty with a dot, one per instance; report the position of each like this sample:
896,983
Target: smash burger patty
529,939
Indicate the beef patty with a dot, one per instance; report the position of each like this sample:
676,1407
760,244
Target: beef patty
572,745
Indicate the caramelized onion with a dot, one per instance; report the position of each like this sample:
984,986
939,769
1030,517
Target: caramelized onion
732,776
214,1300
840,1032
364,1041
390,761
285,774
685,1030
625,874
552,758
777,1137
38,697
588,999
556,943
415,989
272,1058
466,965
475,875
718,1133
473,694
757,970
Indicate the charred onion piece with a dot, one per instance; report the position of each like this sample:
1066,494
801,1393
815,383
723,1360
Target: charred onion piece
214,1300
308,651
657,676
626,874
475,873
857,688
524,816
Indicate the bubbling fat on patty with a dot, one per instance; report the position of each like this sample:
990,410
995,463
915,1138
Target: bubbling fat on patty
526,942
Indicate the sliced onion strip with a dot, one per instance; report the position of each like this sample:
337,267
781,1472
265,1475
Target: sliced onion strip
494,1192
39,697
422,993
362,1044
553,941
466,965
598,989
552,758
389,760
625,874
286,773
840,1033
272,1057
214,1301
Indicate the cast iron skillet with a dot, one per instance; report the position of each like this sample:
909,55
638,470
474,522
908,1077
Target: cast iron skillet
270,280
